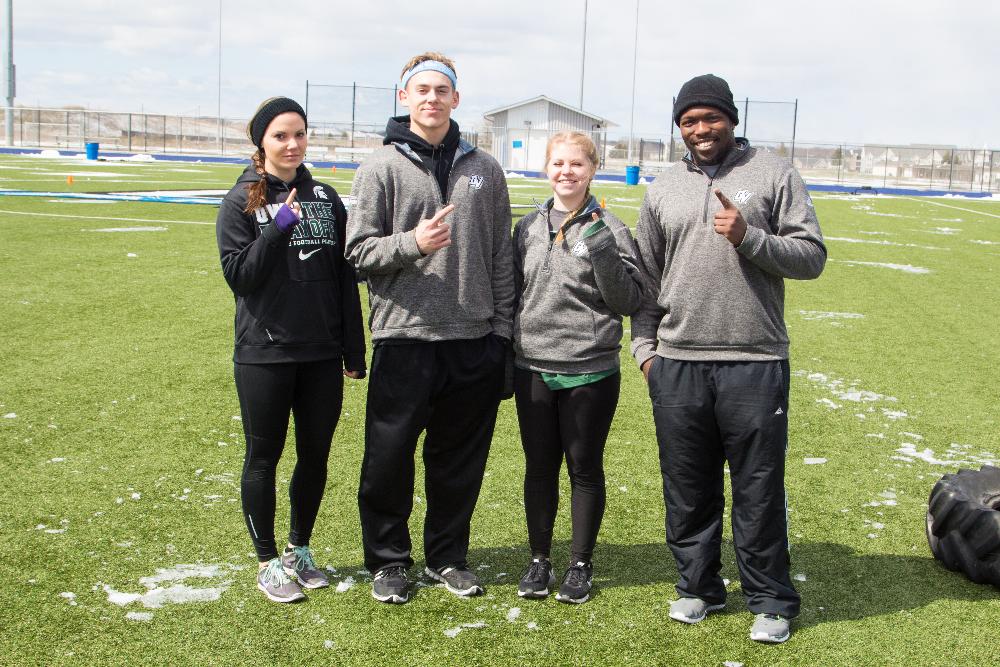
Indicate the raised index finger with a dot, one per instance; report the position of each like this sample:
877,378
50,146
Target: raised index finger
726,204
291,197
440,215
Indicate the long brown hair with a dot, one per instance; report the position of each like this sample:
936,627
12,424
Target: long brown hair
257,192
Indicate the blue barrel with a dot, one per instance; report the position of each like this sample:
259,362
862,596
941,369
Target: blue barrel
92,148
632,175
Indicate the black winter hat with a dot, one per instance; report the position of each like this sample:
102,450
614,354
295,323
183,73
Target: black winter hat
266,112
706,90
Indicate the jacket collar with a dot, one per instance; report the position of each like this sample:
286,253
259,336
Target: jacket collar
737,153
589,208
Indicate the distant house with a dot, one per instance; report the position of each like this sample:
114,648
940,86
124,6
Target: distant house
521,130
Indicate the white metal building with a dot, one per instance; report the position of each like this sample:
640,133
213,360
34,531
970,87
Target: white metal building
521,130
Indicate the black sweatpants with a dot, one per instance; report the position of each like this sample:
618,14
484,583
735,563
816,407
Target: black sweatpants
573,422
708,414
314,393
450,389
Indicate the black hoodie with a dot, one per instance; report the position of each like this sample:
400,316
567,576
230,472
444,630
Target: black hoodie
437,159
296,297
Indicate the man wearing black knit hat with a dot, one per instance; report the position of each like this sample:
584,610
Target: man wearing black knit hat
718,233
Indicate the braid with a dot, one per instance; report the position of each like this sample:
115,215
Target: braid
257,193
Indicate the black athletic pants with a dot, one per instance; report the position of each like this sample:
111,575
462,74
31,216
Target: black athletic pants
314,393
450,390
573,422
708,414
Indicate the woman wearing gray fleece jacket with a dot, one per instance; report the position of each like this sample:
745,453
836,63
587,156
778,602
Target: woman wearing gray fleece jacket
576,275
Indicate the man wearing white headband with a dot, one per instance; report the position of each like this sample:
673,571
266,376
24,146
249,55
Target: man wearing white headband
430,231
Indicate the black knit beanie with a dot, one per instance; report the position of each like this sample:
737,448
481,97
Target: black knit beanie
266,112
706,90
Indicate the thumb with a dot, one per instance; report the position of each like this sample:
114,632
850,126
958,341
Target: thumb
726,204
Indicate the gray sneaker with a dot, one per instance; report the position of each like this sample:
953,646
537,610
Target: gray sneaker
298,562
459,580
391,585
692,610
770,628
277,585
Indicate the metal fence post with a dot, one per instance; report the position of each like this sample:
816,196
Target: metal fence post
795,121
354,104
130,133
951,169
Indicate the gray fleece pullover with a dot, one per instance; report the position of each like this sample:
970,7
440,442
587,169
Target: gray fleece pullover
713,301
572,293
465,290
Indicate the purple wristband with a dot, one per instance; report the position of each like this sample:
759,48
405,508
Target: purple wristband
285,219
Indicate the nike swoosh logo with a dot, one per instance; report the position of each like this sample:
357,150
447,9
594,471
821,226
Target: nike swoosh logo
306,255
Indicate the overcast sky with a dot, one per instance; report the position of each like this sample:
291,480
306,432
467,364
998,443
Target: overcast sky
921,71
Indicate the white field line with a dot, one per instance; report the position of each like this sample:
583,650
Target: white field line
105,217
927,200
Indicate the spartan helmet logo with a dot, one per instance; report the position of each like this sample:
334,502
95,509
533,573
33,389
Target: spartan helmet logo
319,193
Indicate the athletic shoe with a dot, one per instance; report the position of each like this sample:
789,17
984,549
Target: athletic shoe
277,585
692,610
298,562
538,579
391,585
576,583
770,628
459,580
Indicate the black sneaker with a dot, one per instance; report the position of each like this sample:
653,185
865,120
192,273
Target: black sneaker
459,580
391,585
576,583
537,580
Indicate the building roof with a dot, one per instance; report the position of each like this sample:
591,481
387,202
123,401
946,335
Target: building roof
603,121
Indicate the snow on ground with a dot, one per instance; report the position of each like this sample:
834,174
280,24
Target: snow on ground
345,585
513,613
827,315
812,461
453,632
907,268
127,229
175,592
845,239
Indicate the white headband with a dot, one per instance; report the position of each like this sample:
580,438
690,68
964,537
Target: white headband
432,66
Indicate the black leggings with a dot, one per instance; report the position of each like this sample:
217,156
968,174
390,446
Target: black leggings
574,422
314,393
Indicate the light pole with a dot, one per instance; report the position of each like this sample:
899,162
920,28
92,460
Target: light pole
219,110
583,56
635,61
9,59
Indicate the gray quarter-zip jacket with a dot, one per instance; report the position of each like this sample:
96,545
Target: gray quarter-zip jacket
465,290
714,302
572,293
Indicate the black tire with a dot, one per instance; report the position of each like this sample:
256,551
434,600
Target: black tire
963,523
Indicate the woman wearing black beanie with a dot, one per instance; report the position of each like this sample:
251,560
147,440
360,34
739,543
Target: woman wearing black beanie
299,332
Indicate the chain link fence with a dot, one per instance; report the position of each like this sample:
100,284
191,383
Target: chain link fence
351,140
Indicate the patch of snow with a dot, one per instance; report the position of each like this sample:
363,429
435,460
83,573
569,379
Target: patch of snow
824,315
128,229
142,616
513,613
906,268
10,415
453,632
57,459
345,585
799,577
811,461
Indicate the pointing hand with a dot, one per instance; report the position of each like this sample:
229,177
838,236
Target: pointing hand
434,233
729,221
288,215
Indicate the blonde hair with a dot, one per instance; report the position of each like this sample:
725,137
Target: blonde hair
428,55
585,144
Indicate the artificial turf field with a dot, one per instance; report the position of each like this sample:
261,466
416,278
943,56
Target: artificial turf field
120,520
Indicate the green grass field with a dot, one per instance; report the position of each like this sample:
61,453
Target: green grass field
122,456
